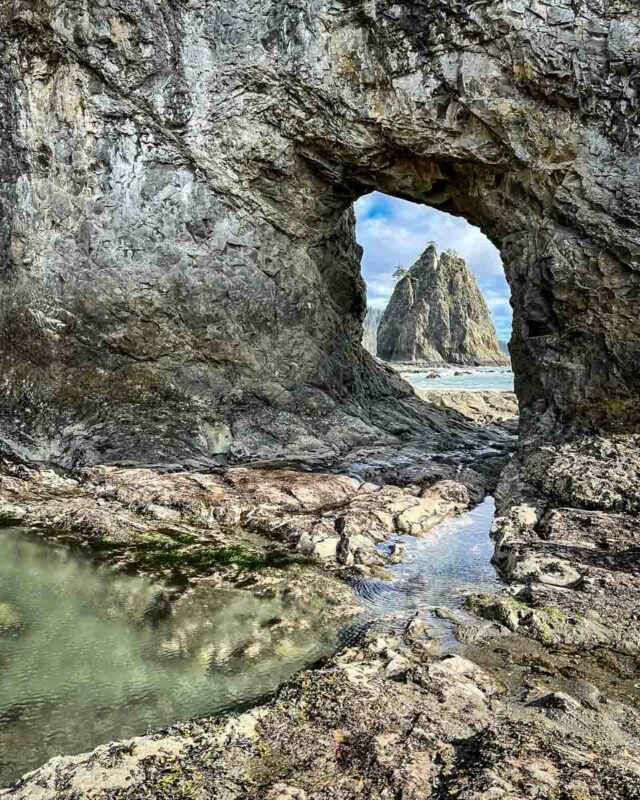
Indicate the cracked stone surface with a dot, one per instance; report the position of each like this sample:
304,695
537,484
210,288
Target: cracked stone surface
180,277
161,523
567,540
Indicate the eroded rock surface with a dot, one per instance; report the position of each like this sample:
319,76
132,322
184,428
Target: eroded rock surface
567,539
180,286
541,699
437,314
180,278
194,523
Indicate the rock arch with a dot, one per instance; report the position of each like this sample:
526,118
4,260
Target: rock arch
180,278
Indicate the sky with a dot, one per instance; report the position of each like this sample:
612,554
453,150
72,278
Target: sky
395,232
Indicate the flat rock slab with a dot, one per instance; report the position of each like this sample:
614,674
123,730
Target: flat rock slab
131,515
481,406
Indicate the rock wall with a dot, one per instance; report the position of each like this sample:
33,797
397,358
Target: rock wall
437,314
179,275
370,329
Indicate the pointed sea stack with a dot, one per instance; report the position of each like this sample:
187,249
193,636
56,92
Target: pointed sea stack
437,314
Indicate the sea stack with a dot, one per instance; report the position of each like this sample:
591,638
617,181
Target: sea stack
437,314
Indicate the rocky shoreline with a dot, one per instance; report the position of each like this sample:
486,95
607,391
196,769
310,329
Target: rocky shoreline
410,367
543,687
567,540
139,519
485,407
168,521
391,718
182,292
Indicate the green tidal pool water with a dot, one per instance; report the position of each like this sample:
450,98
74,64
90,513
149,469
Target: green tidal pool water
88,656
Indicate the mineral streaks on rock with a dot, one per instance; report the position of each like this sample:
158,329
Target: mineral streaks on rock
178,251
437,314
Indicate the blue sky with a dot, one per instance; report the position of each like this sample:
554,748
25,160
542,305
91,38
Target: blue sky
395,232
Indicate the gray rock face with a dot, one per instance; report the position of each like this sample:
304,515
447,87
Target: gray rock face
179,273
437,314
370,329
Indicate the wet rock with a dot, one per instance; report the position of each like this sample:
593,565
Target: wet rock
395,553
231,519
548,571
397,667
415,628
447,614
446,497
326,549
183,290
566,529
480,632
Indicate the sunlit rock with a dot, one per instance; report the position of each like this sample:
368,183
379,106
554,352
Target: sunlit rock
437,314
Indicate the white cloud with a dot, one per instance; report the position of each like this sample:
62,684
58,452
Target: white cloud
395,232
498,303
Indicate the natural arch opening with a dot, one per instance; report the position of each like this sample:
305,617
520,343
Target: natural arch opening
569,368
188,286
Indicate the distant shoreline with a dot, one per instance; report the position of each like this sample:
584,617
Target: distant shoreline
455,378
424,366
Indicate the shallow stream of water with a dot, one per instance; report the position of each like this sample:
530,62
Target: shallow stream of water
438,570
87,656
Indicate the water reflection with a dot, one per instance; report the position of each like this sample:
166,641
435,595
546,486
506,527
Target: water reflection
87,656
439,570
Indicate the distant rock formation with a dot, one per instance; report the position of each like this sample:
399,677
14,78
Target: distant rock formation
437,314
370,329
